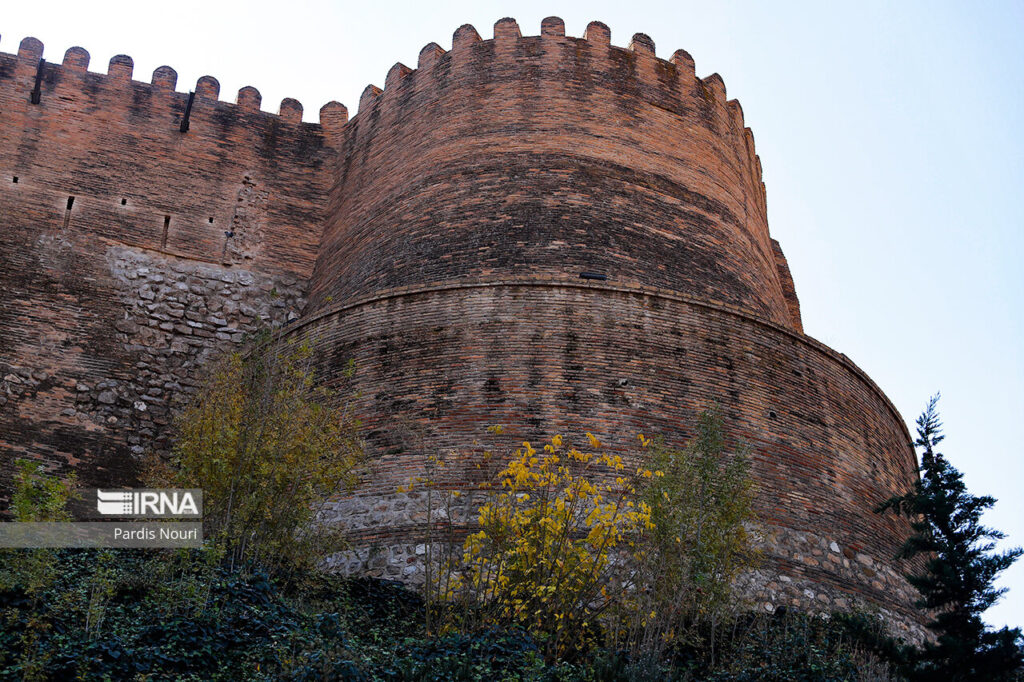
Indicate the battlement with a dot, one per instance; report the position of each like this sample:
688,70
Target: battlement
143,165
120,70
671,84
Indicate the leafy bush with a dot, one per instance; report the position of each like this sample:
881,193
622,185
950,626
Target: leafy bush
268,447
557,535
27,574
790,646
38,496
701,507
579,551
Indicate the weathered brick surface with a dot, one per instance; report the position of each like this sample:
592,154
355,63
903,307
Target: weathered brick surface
435,366
557,154
439,237
130,251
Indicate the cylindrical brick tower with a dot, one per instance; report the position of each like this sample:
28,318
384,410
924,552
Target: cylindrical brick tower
472,194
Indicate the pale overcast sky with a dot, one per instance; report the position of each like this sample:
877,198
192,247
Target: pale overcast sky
890,136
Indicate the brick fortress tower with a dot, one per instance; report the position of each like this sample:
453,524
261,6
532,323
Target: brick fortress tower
548,233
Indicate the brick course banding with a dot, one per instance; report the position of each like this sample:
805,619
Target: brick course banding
437,239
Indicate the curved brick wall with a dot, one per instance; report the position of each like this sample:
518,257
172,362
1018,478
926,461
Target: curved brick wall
436,366
556,155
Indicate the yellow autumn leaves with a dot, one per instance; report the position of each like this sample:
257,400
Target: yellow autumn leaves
556,528
581,548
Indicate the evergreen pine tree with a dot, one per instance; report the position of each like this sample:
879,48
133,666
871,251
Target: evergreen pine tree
960,567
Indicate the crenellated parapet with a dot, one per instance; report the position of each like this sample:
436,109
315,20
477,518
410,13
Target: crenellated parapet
671,84
555,65
142,164
540,126
120,69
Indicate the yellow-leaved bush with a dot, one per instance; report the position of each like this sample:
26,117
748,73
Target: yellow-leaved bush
556,546
582,549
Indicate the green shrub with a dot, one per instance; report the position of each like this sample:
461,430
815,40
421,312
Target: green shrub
268,447
701,506
38,496
27,574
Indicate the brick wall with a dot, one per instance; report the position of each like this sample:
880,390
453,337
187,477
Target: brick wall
553,154
435,366
133,252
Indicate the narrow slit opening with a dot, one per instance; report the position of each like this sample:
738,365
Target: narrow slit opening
67,212
211,221
15,179
163,240
124,202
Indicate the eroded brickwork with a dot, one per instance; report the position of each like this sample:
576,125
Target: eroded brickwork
435,366
132,252
438,240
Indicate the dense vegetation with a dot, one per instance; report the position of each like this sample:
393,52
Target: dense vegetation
135,616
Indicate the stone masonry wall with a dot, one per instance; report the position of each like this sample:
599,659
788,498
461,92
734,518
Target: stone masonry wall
787,579
179,318
171,319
